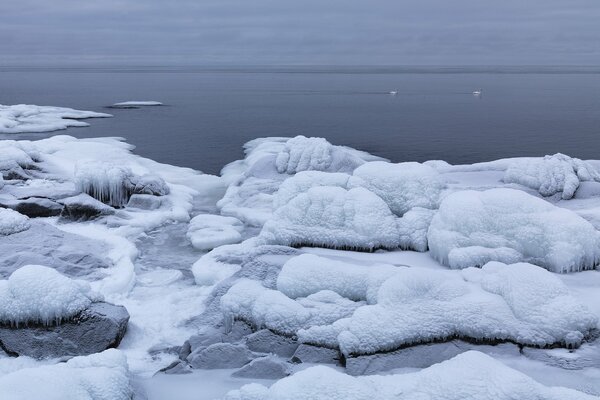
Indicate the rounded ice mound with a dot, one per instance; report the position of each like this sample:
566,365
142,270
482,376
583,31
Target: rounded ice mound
12,221
107,182
472,228
402,186
38,294
552,174
305,180
314,154
333,217
470,375
207,231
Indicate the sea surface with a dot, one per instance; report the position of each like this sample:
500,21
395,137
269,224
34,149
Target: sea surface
210,112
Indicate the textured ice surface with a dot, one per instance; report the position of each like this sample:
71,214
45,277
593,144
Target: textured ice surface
471,375
509,225
549,175
12,222
413,227
102,376
24,118
333,217
208,231
39,294
402,186
107,182
302,181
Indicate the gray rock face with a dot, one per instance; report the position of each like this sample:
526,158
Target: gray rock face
265,341
212,336
96,329
84,207
35,207
264,368
144,202
314,354
221,355
177,367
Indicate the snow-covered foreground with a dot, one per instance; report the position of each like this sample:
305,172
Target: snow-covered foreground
306,270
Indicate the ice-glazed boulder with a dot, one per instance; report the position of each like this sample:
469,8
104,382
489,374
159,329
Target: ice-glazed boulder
413,227
302,181
314,154
471,375
103,376
26,118
207,231
333,217
402,186
553,174
472,228
104,181
12,222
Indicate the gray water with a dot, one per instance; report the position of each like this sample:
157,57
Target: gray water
210,113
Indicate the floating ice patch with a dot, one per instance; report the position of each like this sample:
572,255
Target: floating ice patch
333,217
471,375
102,376
402,186
551,174
136,104
37,294
107,182
208,231
472,228
12,221
25,118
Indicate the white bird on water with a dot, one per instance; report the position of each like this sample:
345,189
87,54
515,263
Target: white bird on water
477,92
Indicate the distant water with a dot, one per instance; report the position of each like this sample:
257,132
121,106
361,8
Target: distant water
210,113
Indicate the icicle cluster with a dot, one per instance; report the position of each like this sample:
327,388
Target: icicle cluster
109,183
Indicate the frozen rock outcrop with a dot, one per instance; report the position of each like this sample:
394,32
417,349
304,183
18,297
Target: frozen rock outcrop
302,181
104,181
12,222
84,207
472,228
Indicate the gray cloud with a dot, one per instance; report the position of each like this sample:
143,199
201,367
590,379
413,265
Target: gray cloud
301,31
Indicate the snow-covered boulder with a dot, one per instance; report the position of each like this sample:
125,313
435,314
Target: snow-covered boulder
302,181
103,376
149,184
26,118
413,227
250,200
104,181
207,231
84,207
333,217
472,228
34,207
12,222
553,174
471,375
402,186
314,154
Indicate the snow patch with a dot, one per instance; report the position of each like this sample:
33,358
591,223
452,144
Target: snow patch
12,222
208,231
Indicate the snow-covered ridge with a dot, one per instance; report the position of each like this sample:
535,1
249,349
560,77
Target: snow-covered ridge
26,118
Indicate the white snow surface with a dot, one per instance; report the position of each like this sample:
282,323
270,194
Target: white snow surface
26,118
470,375
333,217
553,174
302,181
207,231
12,221
102,376
509,225
38,294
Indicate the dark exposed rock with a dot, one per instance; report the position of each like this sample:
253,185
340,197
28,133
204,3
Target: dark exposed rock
220,355
306,353
84,207
269,367
34,207
177,367
212,336
95,329
265,341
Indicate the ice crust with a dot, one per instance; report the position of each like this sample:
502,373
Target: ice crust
12,222
470,375
509,225
208,231
26,118
38,294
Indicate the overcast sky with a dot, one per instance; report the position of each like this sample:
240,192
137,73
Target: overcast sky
438,32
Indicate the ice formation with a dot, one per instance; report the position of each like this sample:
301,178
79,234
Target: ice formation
102,376
208,231
302,181
25,118
413,227
333,217
402,186
509,225
12,221
105,181
38,294
558,173
471,375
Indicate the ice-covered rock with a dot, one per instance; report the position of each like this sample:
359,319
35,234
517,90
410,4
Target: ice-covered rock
472,228
38,294
302,181
268,367
221,355
250,200
471,375
103,376
207,231
553,174
402,186
266,341
84,207
305,353
12,222
333,217
104,181
34,207
146,202
413,227
26,118
314,154
149,184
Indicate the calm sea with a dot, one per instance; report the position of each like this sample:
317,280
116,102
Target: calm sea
211,112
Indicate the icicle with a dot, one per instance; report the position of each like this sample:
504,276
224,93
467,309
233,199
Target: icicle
109,183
